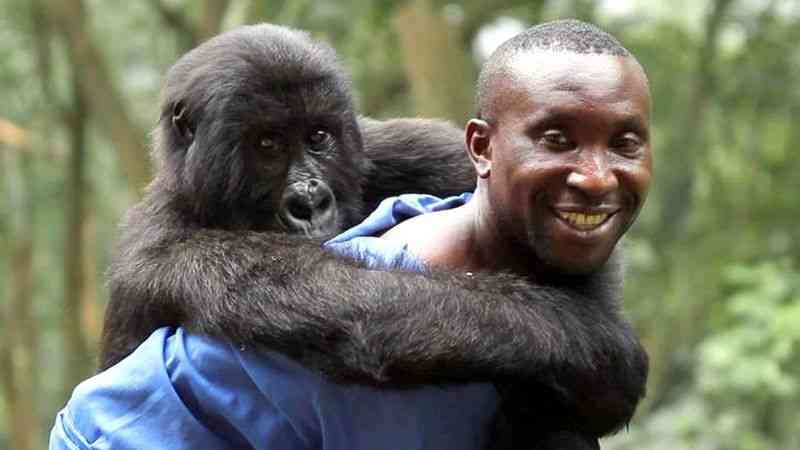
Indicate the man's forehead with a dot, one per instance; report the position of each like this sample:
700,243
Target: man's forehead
538,74
564,70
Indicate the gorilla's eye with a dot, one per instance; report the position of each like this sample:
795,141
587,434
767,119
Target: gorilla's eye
268,143
319,140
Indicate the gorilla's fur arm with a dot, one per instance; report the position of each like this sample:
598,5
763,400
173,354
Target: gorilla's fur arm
389,328
431,160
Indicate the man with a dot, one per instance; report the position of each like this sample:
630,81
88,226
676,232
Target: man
562,153
563,159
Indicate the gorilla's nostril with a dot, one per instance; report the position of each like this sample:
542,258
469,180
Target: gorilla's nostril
324,203
309,204
299,209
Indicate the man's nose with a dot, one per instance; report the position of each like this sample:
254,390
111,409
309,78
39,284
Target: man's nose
593,175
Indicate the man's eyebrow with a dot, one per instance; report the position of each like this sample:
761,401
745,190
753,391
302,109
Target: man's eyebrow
556,116
552,117
568,86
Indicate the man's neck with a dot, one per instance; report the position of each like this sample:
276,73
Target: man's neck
466,239
490,249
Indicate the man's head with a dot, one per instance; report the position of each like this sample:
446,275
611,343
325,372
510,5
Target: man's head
562,144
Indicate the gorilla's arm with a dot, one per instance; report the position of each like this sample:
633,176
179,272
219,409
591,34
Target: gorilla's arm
411,155
373,327
421,156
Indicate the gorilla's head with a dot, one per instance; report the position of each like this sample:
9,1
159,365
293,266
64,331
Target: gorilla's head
257,131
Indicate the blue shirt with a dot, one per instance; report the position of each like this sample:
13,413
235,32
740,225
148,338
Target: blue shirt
180,390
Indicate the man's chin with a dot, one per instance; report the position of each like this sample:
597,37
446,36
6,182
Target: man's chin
578,264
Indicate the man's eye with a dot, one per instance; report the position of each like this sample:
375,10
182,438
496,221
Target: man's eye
627,144
319,140
556,139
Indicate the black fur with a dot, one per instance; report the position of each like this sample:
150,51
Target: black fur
414,155
206,249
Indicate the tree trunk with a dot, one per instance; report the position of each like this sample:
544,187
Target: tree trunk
20,352
213,13
79,281
189,35
78,363
676,187
436,63
107,103
676,203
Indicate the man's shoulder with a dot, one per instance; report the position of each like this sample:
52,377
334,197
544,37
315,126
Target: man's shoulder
437,237
366,241
395,210
418,229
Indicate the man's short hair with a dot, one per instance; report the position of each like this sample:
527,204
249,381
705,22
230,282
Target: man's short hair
568,35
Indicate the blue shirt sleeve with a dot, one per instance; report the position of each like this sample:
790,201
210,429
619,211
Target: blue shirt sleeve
175,391
360,242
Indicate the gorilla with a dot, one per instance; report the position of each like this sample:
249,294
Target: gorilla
262,157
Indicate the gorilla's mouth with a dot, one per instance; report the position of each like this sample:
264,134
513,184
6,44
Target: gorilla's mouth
324,227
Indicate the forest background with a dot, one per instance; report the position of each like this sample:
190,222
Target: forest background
713,280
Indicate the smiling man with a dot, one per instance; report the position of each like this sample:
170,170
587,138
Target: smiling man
562,152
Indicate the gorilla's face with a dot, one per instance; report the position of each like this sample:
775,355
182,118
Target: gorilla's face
290,169
301,160
268,146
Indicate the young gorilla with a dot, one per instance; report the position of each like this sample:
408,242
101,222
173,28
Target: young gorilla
260,150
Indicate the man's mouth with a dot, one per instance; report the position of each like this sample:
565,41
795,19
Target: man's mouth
583,221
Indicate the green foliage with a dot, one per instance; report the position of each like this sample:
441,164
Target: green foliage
746,390
756,352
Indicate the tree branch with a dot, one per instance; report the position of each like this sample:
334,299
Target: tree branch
183,28
211,18
13,136
106,100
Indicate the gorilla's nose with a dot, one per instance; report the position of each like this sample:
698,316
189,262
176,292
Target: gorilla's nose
309,207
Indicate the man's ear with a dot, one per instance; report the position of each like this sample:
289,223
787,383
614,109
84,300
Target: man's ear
479,146
180,122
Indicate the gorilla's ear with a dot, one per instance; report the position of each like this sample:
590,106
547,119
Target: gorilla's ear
180,122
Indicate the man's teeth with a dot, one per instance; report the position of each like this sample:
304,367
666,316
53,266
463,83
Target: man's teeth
583,221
